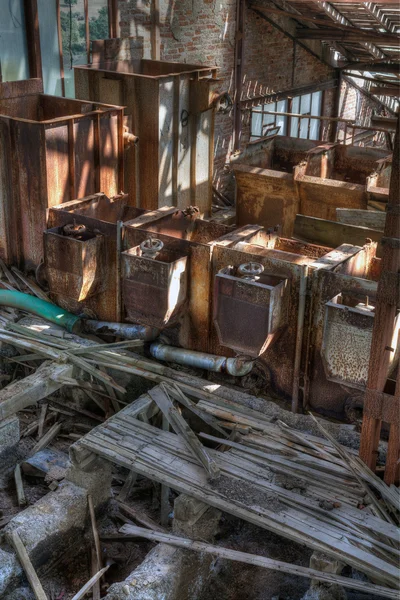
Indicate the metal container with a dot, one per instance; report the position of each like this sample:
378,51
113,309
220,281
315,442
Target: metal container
154,289
75,262
247,312
347,338
169,106
99,215
51,151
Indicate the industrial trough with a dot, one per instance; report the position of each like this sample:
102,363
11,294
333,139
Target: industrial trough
170,106
277,179
217,289
61,149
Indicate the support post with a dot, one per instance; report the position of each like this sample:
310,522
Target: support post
379,406
155,30
239,58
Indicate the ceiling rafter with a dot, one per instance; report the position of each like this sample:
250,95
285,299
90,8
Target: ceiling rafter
335,15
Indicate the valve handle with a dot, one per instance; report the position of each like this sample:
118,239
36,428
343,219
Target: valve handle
250,269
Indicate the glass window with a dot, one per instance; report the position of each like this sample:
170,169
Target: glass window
308,104
316,105
305,109
49,47
256,122
98,19
261,123
294,124
13,45
281,121
73,31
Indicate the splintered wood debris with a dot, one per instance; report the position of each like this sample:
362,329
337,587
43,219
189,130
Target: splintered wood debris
317,504
304,487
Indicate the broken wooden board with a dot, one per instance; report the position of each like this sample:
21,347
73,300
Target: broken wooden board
133,532
246,491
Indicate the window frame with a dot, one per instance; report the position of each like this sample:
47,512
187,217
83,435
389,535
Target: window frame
289,120
33,35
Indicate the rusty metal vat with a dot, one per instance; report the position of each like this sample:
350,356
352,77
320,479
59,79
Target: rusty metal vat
249,307
347,338
51,151
75,262
154,283
170,106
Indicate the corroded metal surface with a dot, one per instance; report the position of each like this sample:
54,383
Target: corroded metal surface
173,161
346,342
75,265
248,312
154,290
61,149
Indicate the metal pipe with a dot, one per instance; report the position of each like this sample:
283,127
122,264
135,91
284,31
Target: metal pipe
73,323
299,337
128,331
209,362
41,308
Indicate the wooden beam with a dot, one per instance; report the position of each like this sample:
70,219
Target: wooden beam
28,391
385,313
239,58
113,19
60,48
155,30
87,30
255,560
385,91
25,561
33,39
350,34
374,219
374,67
179,425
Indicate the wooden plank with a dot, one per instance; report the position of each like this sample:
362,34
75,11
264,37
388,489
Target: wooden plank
27,566
253,559
178,423
19,486
173,471
140,517
97,546
331,233
88,586
47,438
28,391
372,219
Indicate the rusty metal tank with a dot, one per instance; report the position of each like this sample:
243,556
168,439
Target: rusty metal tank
249,307
154,283
170,107
347,338
51,151
75,262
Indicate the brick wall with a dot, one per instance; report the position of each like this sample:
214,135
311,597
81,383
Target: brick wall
203,32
